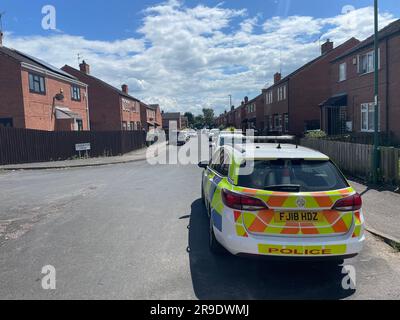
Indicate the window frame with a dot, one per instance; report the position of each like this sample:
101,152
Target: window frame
366,109
286,122
73,88
79,125
40,78
369,57
343,72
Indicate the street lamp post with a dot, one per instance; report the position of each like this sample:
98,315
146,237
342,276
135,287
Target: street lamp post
376,97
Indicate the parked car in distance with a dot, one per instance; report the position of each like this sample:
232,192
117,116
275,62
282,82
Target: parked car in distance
182,138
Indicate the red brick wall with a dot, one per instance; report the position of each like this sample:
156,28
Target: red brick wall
158,117
394,86
104,103
39,109
131,111
311,86
11,102
276,107
360,88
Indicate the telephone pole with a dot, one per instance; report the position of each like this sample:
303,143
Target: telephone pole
376,97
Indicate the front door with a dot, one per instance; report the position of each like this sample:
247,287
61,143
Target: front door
335,120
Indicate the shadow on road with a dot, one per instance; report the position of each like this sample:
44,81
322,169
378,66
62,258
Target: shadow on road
229,277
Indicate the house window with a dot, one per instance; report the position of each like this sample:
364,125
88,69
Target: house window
79,124
286,122
269,97
75,93
282,93
343,71
277,122
368,117
124,125
37,84
366,62
133,126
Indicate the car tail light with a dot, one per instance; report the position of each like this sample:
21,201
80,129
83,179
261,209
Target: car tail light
241,202
352,203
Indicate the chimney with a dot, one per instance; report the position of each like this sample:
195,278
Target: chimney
232,108
246,99
125,88
277,77
84,67
1,38
326,47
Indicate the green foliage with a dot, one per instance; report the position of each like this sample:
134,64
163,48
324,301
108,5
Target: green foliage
231,129
316,134
190,118
208,115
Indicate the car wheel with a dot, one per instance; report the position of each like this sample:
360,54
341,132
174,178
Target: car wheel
215,247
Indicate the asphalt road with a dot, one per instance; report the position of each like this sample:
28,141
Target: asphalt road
137,231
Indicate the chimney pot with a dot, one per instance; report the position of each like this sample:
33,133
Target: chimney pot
125,88
277,77
84,67
326,47
246,99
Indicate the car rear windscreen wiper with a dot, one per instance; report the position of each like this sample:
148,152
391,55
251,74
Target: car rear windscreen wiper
284,188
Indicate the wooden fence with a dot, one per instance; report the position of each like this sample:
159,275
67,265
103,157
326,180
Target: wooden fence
26,146
356,159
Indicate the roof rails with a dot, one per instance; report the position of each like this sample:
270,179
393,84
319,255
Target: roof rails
274,139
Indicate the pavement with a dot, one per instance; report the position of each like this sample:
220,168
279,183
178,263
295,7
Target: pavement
133,156
140,231
382,212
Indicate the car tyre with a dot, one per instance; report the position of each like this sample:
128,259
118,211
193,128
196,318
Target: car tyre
215,247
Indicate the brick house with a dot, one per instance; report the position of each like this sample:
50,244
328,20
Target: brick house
253,111
350,105
167,117
36,95
292,103
111,109
184,122
150,116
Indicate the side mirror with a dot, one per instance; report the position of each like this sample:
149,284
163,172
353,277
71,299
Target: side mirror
203,164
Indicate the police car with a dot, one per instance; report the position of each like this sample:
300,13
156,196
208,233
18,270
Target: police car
282,200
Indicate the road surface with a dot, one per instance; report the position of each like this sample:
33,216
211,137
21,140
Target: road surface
139,231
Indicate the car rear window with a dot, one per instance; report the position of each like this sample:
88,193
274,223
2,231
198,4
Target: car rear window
293,176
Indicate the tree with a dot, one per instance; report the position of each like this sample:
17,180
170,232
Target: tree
199,122
190,118
208,115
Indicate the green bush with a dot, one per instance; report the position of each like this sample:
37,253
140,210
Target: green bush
316,134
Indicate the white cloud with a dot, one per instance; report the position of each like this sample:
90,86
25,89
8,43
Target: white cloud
187,58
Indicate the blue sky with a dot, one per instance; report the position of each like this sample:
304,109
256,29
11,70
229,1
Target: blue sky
188,54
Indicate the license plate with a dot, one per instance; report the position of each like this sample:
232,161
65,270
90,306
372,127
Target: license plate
298,217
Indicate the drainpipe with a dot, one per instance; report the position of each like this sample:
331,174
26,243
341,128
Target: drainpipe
87,108
387,90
